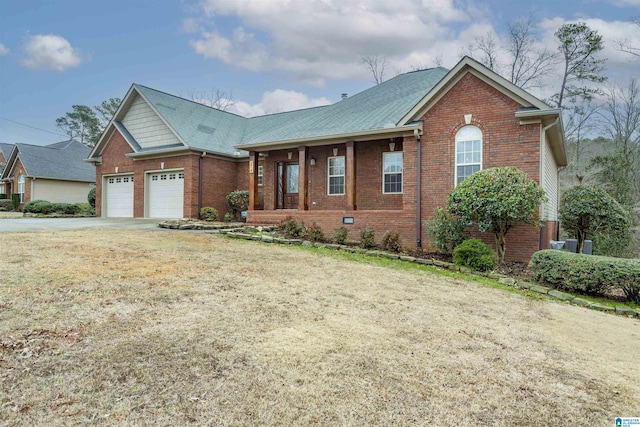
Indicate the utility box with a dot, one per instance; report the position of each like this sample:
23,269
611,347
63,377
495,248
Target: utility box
571,245
557,244
587,248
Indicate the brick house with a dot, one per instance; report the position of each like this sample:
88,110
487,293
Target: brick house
56,172
385,158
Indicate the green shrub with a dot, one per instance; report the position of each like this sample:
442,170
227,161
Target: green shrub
209,214
238,202
314,233
391,242
6,205
65,208
91,197
228,217
38,207
15,201
368,238
340,235
85,209
497,199
589,212
292,229
446,231
3,196
475,254
590,274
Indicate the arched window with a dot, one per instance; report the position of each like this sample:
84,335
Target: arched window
21,187
468,152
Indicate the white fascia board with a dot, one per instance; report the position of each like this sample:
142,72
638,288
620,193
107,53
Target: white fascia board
11,162
174,151
311,141
539,113
483,73
126,101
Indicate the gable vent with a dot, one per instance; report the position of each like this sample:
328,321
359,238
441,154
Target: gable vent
206,129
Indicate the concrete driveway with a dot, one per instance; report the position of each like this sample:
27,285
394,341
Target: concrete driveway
46,224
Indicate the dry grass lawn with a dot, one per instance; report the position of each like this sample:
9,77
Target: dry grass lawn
161,328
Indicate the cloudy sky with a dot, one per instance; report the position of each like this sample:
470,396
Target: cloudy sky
271,55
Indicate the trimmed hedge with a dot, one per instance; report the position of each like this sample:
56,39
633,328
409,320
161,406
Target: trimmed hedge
587,273
44,207
6,205
475,254
38,207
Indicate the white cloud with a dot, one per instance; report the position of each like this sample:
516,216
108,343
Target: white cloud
316,40
277,101
50,52
626,3
319,40
3,49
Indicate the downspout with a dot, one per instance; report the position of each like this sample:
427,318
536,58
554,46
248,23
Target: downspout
200,183
416,135
543,150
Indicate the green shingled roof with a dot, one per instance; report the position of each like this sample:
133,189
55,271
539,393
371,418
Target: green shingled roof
379,107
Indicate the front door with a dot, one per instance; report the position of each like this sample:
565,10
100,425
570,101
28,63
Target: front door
287,186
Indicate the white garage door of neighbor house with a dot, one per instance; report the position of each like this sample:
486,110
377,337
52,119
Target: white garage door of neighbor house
166,194
119,196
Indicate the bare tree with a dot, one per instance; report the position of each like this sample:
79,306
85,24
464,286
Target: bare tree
435,63
527,63
621,119
518,59
377,65
485,49
216,98
579,125
626,46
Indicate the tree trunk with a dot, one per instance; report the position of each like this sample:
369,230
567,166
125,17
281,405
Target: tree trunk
501,246
581,239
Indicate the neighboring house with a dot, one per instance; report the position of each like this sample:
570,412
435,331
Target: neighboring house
5,187
55,172
385,158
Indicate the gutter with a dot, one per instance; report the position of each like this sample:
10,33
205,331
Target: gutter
416,135
362,135
200,183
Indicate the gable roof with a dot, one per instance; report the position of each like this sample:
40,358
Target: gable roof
198,126
5,150
392,107
62,160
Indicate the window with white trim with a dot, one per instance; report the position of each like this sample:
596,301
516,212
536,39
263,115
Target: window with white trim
392,172
468,152
2,190
260,174
21,187
335,174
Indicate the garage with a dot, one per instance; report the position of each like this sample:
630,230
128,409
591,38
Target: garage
119,196
165,194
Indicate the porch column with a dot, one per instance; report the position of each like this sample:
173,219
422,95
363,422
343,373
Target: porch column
350,183
303,180
253,180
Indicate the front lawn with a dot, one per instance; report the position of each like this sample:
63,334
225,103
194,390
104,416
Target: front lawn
161,328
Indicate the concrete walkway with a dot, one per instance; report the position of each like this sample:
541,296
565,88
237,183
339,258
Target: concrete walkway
12,225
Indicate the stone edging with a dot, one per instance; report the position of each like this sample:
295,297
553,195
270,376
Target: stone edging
542,290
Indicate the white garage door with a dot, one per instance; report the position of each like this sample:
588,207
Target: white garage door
119,197
165,194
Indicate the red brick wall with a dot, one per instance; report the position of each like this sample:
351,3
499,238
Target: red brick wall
505,143
219,177
13,186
